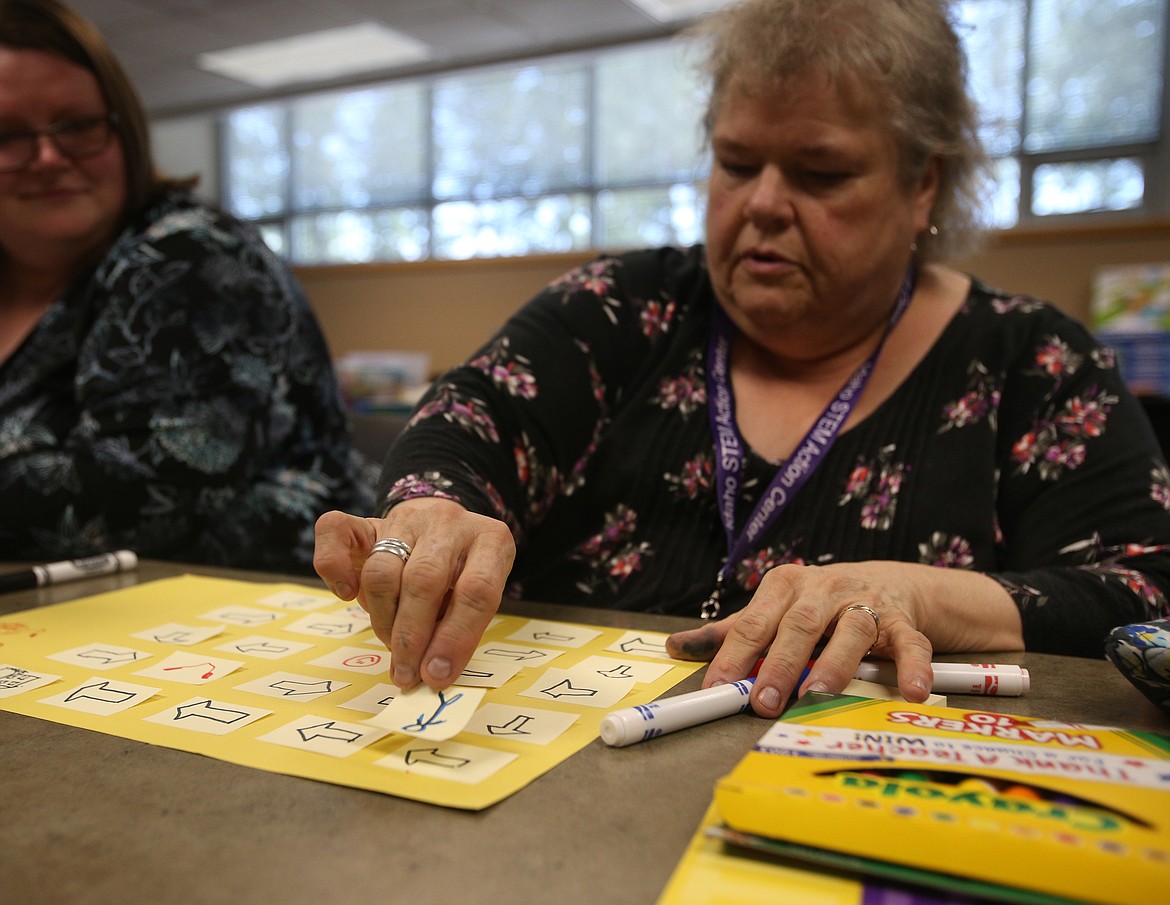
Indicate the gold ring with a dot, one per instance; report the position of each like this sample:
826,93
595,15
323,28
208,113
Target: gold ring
877,623
399,548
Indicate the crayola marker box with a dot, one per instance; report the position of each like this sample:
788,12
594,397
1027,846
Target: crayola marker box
1053,808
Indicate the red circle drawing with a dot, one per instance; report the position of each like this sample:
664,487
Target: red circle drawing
359,661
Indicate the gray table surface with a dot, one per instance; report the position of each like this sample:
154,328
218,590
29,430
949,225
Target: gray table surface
91,818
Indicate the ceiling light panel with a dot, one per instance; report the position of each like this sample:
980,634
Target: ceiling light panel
320,56
674,10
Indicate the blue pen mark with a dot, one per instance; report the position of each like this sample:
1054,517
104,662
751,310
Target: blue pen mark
425,722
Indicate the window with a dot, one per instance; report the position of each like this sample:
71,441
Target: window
1071,93
543,156
562,154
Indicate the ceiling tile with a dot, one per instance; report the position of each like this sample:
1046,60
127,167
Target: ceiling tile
159,40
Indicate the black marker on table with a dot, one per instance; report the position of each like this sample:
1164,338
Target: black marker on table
69,570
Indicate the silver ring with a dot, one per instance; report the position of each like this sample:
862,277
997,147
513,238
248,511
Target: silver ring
877,623
399,548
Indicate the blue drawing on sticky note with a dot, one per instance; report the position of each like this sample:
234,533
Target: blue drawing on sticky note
424,722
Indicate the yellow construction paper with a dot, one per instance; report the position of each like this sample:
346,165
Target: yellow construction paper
274,639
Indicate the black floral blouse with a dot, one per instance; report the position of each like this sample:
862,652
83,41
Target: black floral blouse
1013,449
180,402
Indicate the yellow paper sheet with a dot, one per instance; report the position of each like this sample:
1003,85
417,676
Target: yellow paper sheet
258,674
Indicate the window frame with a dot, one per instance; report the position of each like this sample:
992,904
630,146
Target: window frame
1154,155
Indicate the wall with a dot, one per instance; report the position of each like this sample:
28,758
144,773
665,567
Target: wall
186,146
445,309
449,309
1060,264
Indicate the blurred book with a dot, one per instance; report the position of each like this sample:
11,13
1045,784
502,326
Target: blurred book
387,381
1130,309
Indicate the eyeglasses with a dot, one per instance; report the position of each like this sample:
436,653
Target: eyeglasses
77,139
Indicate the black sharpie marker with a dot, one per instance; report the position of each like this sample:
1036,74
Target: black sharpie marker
69,570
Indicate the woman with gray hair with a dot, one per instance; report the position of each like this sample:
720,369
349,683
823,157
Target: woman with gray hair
809,431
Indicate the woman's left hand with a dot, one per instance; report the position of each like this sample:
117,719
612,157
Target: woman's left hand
900,611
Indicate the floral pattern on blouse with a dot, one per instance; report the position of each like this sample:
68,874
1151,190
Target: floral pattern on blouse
685,393
180,401
612,555
979,402
1057,441
694,481
1013,448
1160,485
749,572
454,406
946,550
875,484
509,372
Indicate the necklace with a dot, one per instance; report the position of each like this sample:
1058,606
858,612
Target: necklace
794,472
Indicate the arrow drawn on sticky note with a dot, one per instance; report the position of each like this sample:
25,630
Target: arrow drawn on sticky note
432,757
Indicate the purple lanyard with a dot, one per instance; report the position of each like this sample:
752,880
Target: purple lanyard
793,473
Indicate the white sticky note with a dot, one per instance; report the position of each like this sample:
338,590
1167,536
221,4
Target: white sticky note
102,696
532,725
447,760
619,668
373,700
578,687
328,625
423,712
485,674
323,735
539,631
190,669
353,611
16,680
297,600
641,644
293,687
206,715
267,648
242,615
355,659
101,656
182,635
523,655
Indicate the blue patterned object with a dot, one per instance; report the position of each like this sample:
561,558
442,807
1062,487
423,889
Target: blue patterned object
1142,653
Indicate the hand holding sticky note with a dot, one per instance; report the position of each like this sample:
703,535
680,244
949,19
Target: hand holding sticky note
423,712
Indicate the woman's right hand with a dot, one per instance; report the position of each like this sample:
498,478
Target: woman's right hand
432,610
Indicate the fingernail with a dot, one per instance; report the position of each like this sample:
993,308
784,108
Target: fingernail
819,687
439,668
770,698
402,676
342,590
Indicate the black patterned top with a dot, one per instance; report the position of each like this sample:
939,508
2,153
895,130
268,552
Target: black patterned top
1013,448
178,401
